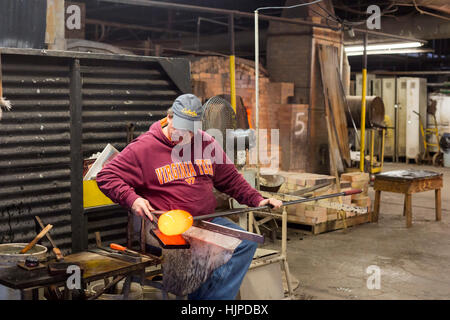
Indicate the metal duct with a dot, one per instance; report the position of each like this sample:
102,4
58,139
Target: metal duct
374,111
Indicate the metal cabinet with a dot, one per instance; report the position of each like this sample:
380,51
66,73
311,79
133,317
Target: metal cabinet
388,96
411,99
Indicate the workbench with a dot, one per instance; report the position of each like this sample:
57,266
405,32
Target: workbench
408,182
95,266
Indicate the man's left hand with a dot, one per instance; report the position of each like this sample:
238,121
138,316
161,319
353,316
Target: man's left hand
274,202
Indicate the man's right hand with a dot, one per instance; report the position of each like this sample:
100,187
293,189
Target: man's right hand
142,208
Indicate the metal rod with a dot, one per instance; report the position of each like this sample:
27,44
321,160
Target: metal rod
232,62
49,237
396,121
363,107
257,98
200,19
285,203
134,27
227,12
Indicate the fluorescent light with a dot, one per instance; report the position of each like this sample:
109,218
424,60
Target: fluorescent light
384,46
397,51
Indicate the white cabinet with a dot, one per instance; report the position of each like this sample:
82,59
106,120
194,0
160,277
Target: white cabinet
411,98
388,97
358,89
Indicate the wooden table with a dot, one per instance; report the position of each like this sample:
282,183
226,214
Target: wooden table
95,266
408,182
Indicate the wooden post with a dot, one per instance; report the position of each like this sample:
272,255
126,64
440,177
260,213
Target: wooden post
404,207
98,239
437,199
408,205
376,208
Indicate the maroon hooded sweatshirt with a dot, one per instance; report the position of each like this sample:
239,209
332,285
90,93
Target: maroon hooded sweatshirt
145,168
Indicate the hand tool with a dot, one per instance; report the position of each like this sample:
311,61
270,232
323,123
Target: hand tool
173,219
285,203
105,252
56,250
170,242
36,239
182,218
124,250
120,254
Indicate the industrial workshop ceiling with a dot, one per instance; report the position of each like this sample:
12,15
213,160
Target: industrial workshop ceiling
142,28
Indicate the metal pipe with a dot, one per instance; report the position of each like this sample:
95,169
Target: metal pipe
363,106
133,26
257,98
374,111
232,62
200,19
285,203
166,5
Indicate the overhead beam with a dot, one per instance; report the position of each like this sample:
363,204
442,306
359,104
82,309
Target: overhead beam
134,27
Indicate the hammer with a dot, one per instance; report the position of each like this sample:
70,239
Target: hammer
56,250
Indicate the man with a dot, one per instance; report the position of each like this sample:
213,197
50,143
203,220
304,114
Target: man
176,167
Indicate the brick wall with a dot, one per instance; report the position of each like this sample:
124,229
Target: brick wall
210,77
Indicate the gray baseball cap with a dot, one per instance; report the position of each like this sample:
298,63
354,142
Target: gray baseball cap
187,112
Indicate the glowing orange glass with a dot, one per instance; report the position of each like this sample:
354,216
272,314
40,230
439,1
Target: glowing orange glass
175,222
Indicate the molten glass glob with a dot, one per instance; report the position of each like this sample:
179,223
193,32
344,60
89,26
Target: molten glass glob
175,222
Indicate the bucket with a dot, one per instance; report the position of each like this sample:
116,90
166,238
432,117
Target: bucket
135,292
446,158
271,183
151,293
10,256
445,147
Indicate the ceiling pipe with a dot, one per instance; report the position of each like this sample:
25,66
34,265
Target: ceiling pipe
236,13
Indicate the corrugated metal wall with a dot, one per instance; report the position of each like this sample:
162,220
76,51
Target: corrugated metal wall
114,96
35,136
34,148
23,23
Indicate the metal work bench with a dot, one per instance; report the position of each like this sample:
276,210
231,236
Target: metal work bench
408,182
95,266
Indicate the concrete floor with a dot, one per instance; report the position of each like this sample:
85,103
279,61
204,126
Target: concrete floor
414,262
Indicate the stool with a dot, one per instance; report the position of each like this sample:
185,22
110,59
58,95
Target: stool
408,182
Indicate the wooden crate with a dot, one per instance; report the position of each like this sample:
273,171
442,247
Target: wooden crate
332,225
